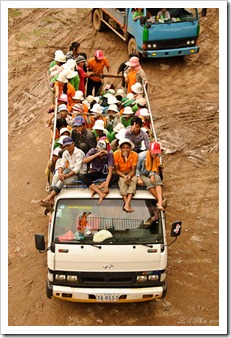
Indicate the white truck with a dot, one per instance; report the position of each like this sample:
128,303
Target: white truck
127,263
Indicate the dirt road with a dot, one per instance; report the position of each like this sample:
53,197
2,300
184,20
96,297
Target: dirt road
184,100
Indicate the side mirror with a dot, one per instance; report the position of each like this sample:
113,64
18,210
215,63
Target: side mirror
39,242
143,20
176,229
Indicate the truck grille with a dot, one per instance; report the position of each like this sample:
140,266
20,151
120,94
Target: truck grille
171,44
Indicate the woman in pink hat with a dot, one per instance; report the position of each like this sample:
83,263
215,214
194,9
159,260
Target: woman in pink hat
134,73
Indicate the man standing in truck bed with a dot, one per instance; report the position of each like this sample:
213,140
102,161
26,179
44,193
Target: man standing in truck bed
96,65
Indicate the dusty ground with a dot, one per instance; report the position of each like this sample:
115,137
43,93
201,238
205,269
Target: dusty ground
184,101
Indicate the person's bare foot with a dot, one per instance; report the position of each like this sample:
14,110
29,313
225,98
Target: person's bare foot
131,209
101,197
92,193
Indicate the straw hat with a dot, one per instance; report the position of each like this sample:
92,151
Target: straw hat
78,95
97,109
112,107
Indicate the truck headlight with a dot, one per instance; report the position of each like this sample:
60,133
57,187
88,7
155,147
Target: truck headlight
153,277
188,42
141,279
192,42
71,278
60,278
154,45
162,277
149,45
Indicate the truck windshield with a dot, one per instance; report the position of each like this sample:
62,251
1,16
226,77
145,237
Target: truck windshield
176,15
142,226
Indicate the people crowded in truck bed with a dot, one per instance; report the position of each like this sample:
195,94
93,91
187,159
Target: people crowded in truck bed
101,132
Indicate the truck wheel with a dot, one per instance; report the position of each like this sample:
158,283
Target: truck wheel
48,289
96,18
132,47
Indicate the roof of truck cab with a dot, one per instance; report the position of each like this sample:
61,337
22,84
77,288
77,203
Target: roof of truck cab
81,193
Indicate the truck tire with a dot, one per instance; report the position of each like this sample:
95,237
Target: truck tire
96,19
48,289
132,46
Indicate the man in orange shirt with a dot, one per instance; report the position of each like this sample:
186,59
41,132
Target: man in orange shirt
96,65
125,162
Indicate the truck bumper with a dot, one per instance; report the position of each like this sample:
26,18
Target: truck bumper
108,295
170,52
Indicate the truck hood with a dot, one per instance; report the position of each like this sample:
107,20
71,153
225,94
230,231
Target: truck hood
170,31
118,257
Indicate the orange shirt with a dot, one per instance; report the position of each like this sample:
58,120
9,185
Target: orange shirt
120,162
131,79
97,68
70,93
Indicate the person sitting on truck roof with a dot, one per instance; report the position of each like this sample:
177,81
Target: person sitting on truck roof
164,14
134,73
101,163
96,65
138,13
147,172
136,135
83,138
125,162
69,169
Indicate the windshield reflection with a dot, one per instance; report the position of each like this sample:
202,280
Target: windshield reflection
79,220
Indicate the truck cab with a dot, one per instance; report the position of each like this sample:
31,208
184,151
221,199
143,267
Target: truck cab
128,264
152,36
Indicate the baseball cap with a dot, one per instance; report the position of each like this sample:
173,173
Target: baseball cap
99,54
78,121
155,148
101,145
67,141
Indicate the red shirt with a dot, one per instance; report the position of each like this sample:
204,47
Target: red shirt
82,76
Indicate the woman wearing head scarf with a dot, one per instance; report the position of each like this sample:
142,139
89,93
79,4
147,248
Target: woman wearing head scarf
134,73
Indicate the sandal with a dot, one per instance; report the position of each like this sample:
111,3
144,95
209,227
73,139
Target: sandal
46,205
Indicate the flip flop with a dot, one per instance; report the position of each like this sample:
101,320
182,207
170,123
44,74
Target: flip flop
160,207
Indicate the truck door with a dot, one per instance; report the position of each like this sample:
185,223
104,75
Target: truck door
135,29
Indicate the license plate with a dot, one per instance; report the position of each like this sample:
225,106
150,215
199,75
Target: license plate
107,297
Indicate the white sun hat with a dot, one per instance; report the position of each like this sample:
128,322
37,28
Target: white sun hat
70,73
119,126
70,64
126,140
112,99
120,92
113,107
128,111
60,57
62,78
121,134
99,125
97,108
78,95
137,88
144,112
60,141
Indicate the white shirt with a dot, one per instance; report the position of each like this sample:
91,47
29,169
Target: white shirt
75,161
